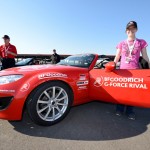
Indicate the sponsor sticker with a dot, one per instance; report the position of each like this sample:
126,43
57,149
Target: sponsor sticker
79,83
82,87
99,81
25,87
7,91
52,75
120,82
82,77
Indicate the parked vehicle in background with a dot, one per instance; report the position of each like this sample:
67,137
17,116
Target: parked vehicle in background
26,62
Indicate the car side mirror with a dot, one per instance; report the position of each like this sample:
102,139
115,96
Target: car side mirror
110,66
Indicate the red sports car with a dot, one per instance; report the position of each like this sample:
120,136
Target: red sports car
49,91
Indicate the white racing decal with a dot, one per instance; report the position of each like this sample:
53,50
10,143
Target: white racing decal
7,91
52,75
79,83
25,87
120,82
82,77
99,81
82,87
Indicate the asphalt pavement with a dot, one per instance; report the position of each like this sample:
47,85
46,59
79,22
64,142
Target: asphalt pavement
92,126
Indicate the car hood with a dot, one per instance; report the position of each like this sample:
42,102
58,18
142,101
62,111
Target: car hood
40,69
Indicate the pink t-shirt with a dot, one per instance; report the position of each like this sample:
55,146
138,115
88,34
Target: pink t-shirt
134,62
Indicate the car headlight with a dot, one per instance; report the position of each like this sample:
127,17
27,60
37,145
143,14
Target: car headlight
9,79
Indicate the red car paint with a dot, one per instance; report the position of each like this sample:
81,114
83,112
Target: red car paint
129,87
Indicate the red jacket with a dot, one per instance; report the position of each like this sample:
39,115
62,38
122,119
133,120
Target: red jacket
10,48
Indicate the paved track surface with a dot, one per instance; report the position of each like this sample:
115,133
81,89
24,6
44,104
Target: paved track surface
92,126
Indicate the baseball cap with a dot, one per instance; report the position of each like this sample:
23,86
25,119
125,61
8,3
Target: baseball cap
132,23
6,37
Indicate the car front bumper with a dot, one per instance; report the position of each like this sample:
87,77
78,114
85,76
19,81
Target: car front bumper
11,102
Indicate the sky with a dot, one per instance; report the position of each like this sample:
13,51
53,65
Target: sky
71,26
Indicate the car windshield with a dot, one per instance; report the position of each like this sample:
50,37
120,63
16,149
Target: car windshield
23,62
83,61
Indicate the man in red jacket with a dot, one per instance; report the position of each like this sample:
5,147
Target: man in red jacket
8,53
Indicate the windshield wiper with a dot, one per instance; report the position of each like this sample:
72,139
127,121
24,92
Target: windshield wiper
64,64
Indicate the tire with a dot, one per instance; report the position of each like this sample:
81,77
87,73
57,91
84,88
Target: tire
50,103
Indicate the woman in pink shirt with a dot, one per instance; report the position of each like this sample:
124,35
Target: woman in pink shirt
129,50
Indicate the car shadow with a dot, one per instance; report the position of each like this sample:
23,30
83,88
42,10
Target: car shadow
94,121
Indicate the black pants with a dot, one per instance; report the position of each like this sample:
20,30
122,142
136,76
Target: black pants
8,63
121,108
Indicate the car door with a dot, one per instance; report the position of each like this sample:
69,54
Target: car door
129,87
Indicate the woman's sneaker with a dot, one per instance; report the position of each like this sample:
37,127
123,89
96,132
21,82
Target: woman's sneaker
119,113
131,116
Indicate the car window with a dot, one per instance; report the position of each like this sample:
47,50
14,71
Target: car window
83,61
24,62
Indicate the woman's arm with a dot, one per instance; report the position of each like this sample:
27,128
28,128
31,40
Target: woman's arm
118,54
145,56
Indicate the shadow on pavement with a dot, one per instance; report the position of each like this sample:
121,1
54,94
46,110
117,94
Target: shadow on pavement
94,121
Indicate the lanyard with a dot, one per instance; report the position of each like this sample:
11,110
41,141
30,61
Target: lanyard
6,50
131,47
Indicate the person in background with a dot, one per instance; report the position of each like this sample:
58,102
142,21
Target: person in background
36,62
8,53
129,50
55,58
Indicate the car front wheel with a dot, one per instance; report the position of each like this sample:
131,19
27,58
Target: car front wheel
50,103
